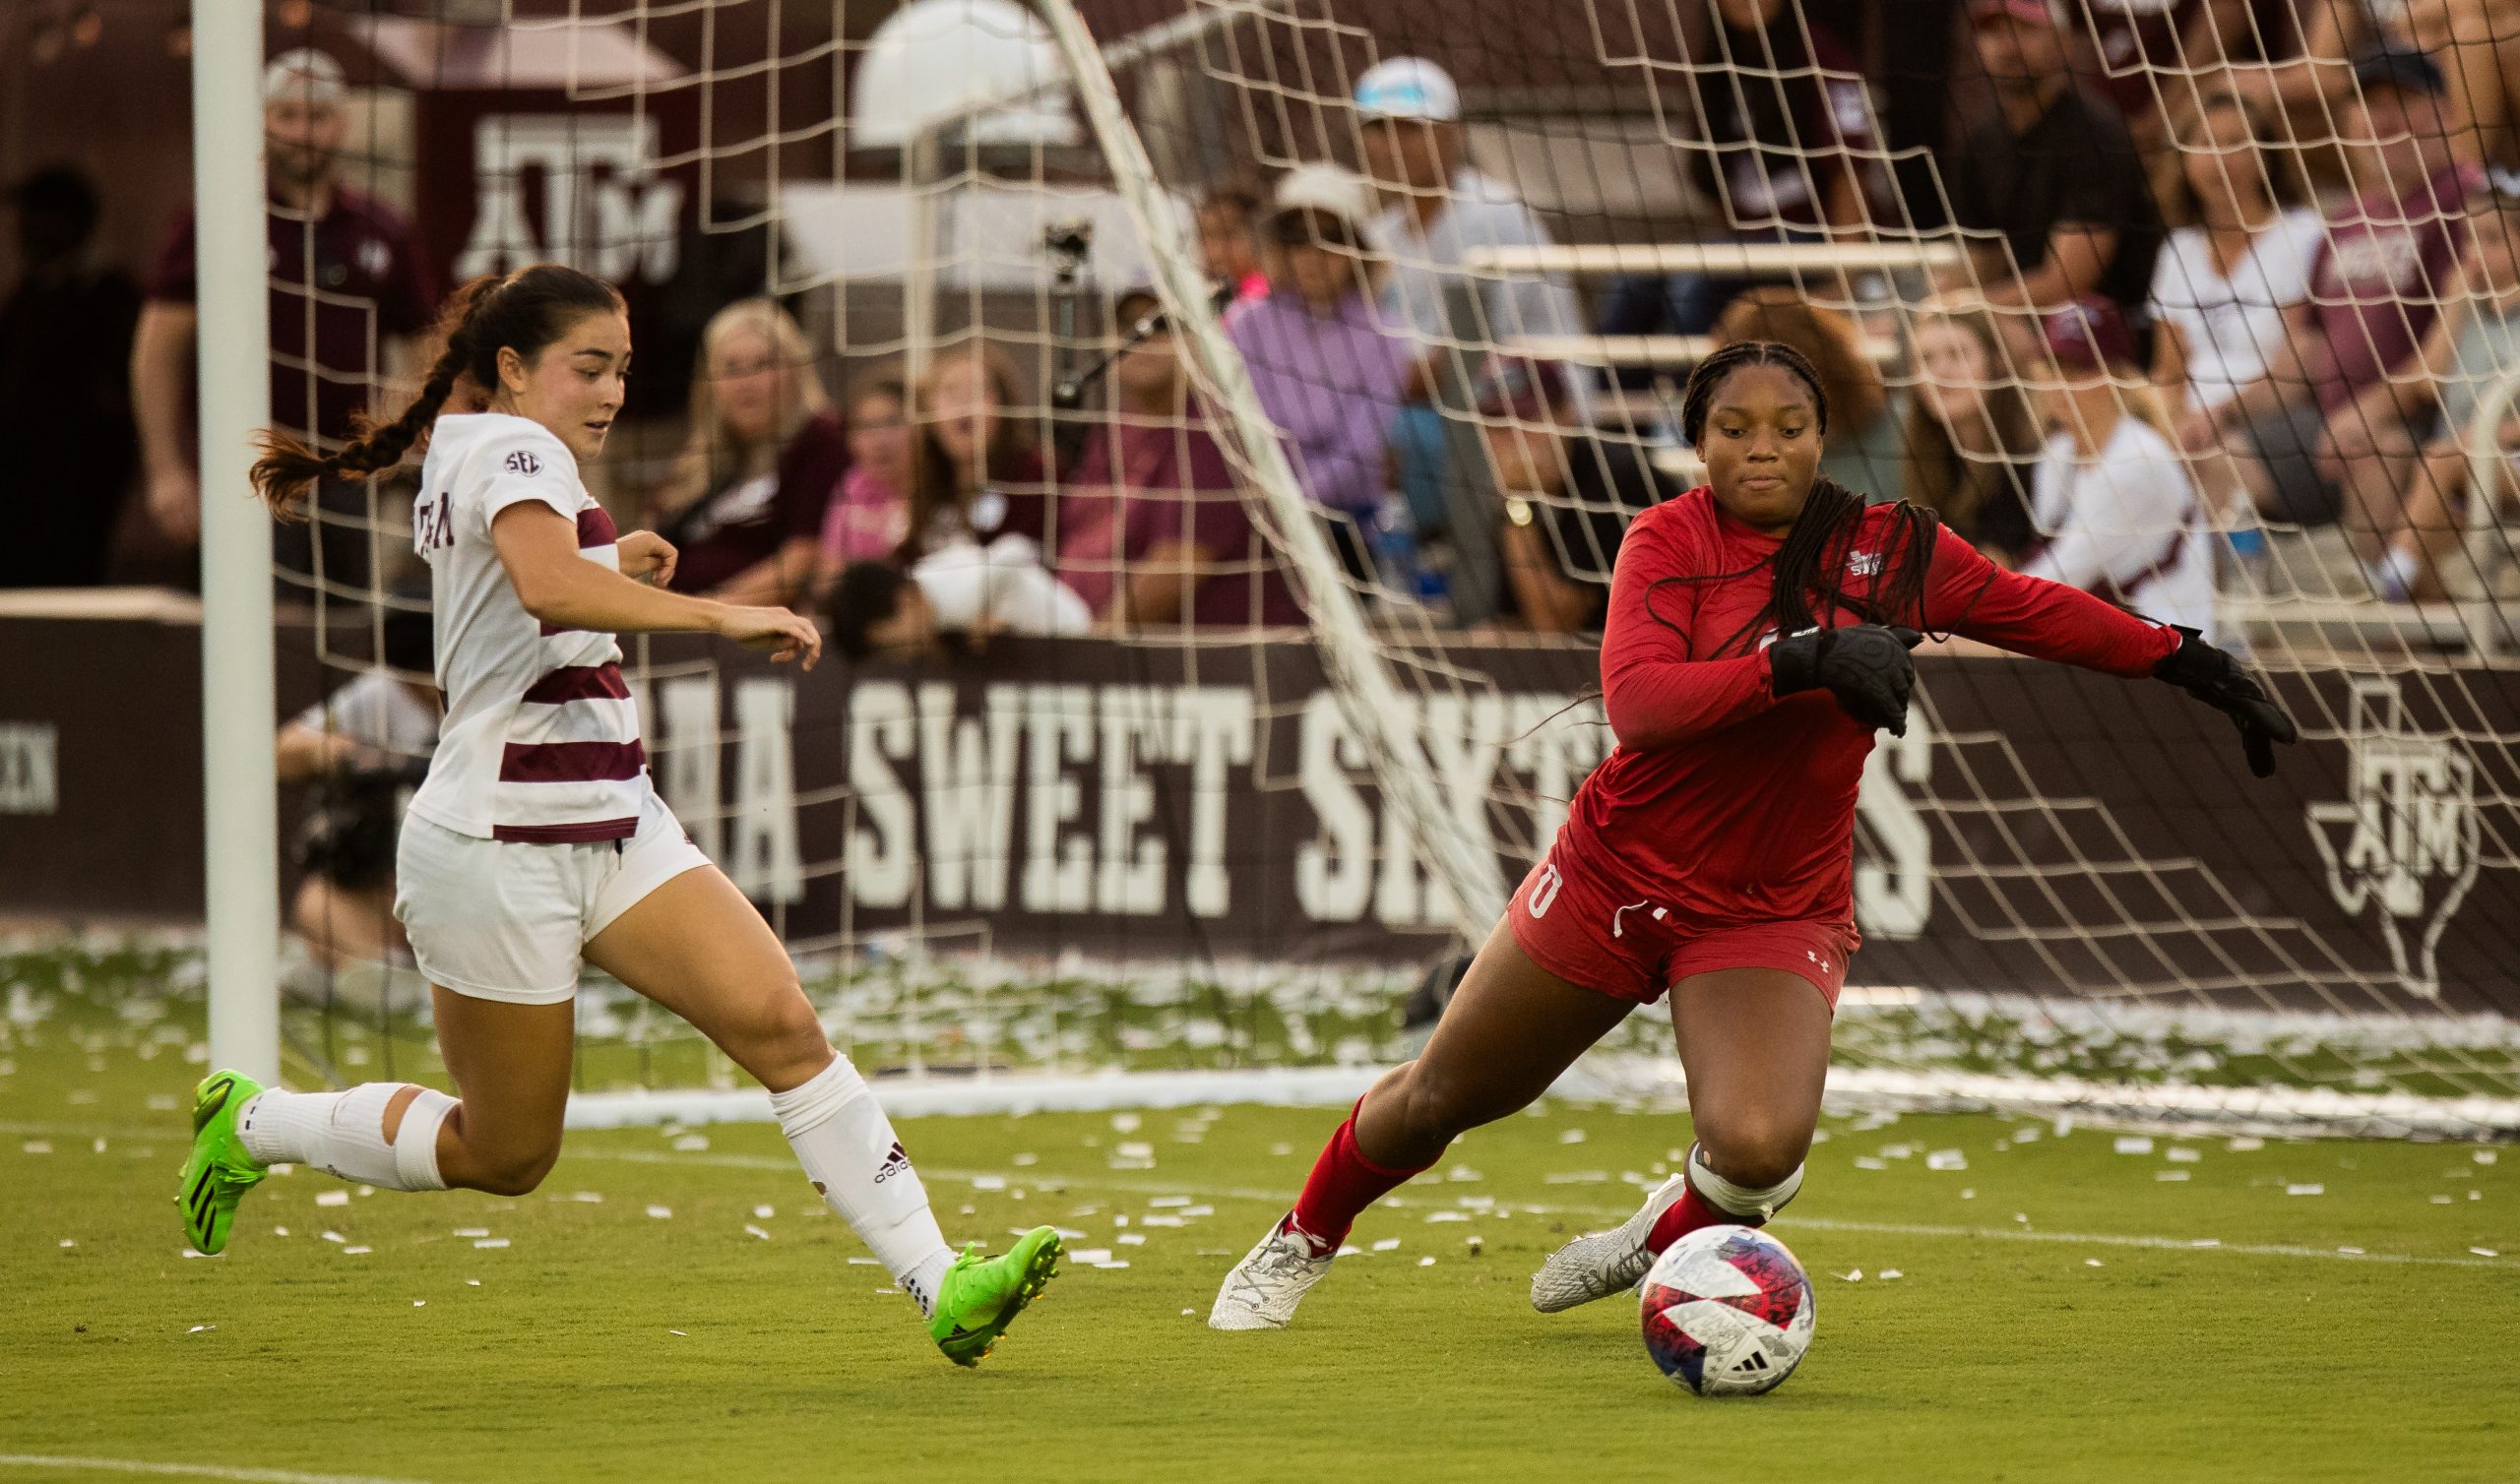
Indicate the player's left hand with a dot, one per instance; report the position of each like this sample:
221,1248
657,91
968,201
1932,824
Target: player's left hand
2217,679
646,556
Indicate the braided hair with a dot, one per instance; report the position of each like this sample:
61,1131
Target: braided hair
1809,568
524,311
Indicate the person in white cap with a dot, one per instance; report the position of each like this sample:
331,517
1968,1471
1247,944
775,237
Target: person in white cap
1439,208
1326,367
349,291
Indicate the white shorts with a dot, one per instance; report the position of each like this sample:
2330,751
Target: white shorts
499,920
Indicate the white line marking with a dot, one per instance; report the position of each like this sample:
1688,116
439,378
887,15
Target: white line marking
1142,1186
190,1470
1265,1198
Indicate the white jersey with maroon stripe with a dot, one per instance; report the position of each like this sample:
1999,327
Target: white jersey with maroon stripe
540,742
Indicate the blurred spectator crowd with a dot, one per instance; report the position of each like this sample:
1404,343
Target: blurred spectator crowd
2225,268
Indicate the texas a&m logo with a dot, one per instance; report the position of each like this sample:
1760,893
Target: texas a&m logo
432,522
602,206
2403,839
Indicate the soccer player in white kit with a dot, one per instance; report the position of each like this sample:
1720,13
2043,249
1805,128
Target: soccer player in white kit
538,838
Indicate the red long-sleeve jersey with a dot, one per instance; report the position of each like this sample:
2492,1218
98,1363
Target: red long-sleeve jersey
1726,804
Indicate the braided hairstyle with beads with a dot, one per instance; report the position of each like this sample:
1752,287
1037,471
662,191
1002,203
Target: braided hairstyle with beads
1810,569
524,311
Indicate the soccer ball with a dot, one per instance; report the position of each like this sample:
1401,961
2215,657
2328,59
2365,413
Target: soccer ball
1728,1312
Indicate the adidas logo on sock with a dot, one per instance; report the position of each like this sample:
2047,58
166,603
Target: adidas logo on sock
895,1164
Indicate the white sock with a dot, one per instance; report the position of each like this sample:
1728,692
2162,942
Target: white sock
343,1133
846,1145
1758,1202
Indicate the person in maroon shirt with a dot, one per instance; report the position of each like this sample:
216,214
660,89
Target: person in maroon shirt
744,505
349,289
1152,528
1759,638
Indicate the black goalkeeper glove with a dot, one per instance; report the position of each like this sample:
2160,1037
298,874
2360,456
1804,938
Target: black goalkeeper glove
2217,679
1866,666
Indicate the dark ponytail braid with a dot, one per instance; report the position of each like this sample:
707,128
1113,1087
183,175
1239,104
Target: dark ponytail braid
524,311
1811,564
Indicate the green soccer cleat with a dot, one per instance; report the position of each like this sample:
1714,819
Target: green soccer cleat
220,1171
980,1296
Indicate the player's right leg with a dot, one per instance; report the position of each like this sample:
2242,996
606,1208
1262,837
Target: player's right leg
1509,1030
695,946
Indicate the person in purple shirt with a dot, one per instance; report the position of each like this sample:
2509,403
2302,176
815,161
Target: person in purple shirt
1325,369
1153,529
350,289
2304,435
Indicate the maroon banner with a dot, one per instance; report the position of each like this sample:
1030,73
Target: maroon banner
2038,830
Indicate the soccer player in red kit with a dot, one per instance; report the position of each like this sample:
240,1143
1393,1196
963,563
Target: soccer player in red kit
1758,637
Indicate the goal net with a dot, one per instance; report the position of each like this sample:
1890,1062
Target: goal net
1246,400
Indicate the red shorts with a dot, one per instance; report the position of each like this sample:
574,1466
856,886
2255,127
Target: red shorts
1577,927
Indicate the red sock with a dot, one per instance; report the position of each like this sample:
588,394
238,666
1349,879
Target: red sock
1687,1215
1342,1185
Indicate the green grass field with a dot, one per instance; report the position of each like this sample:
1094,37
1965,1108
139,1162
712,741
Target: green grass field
2050,1319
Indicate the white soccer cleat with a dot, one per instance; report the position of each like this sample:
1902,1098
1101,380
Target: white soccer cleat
1263,1289
1605,1263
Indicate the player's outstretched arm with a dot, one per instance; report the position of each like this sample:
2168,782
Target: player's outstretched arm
2217,679
2030,615
539,547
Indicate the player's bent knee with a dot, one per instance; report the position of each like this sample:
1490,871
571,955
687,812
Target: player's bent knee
519,1174
1754,1154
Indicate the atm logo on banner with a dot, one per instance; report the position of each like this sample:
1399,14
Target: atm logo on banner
604,207
2404,838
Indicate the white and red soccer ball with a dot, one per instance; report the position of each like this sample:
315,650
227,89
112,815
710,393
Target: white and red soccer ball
1728,1312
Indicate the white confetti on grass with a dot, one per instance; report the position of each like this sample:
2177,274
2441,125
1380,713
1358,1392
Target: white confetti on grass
1946,1159
2183,1154
691,1144
2170,1177
1091,1257
334,1236
471,1231
764,1212
356,1251
2305,1187
1855,1276
751,1230
1571,1136
36,1147
2484,1156
988,1182
1890,1275
1131,1239
2090,1261
1387,1244
489,1244
2486,1252
1426,1261
661,1212
2134,1144
331,1198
